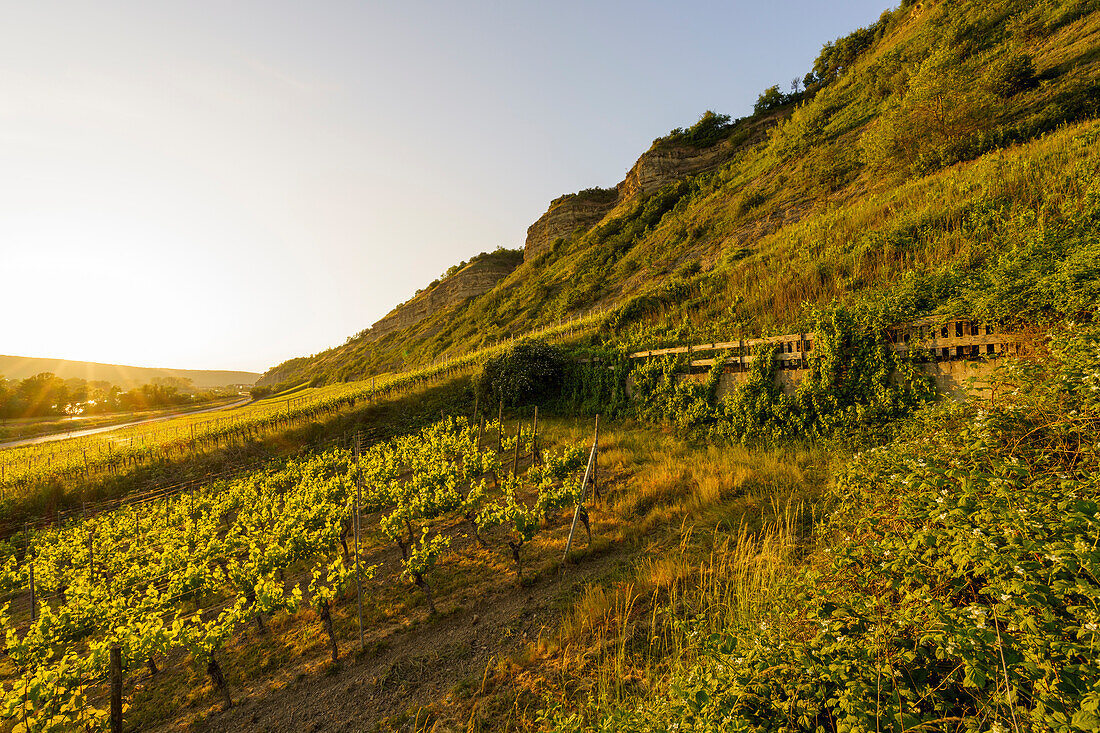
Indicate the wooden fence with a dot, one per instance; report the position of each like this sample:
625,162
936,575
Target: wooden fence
951,341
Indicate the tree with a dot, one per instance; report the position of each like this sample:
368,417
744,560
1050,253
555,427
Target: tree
769,99
940,111
42,394
529,372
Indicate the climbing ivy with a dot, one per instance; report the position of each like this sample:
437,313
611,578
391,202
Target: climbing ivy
854,389
595,382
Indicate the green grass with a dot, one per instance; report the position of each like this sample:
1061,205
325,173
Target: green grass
944,581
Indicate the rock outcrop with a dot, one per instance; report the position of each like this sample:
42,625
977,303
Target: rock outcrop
478,277
565,214
662,165
657,166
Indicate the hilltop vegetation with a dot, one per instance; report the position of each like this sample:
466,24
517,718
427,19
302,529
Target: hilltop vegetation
941,160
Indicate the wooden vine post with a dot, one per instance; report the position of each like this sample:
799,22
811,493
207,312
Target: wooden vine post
584,486
519,439
535,438
30,573
596,461
358,575
116,688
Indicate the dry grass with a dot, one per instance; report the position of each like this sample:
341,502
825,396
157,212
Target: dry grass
712,532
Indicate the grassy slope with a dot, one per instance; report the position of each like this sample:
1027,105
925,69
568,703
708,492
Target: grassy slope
904,181
948,582
350,359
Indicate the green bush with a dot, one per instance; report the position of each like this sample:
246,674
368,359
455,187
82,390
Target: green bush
711,129
529,372
855,390
769,99
1012,75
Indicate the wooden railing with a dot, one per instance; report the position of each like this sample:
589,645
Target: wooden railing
950,341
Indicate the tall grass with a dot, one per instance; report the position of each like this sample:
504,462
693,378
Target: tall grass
736,522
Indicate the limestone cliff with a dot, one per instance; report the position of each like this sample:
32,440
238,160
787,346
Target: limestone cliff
661,165
657,166
478,277
665,162
565,214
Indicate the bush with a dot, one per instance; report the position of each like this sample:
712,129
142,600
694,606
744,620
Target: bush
1012,75
529,372
711,129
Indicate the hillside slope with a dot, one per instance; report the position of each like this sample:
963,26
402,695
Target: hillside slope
942,160
347,361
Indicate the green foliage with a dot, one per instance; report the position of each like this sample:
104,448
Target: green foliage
854,390
769,99
838,56
1012,75
594,381
711,129
953,584
597,194
757,410
529,372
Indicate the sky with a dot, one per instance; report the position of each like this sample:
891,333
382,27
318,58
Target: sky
226,185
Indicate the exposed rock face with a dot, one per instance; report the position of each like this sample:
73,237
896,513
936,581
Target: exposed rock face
660,165
562,219
656,167
474,279
665,162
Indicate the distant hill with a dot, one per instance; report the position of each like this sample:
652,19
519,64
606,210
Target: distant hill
127,377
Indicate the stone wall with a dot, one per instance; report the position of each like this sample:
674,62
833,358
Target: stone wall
956,379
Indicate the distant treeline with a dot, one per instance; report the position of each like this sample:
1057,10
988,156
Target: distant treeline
47,395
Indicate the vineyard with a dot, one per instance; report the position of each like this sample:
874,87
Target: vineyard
185,573
24,470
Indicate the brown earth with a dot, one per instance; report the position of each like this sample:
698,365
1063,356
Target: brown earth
413,664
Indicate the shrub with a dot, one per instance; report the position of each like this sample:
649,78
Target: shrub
1012,75
711,129
531,371
769,99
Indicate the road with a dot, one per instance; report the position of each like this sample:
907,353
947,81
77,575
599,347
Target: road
108,428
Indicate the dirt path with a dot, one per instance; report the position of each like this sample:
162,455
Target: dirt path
416,660
417,666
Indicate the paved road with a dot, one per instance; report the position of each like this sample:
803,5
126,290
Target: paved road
107,428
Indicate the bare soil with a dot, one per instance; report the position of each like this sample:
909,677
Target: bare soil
414,666
419,666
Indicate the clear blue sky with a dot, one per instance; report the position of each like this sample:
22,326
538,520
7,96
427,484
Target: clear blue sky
230,184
